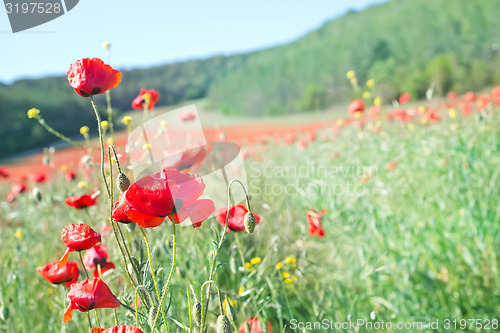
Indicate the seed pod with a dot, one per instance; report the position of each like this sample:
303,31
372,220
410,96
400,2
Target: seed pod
152,314
4,312
123,182
196,312
223,325
249,222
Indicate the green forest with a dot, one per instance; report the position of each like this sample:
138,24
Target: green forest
404,45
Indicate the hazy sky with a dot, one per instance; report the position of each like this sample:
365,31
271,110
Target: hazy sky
146,32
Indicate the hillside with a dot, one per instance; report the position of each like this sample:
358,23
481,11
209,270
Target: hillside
404,45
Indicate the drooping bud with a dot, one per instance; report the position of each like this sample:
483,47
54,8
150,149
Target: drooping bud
249,222
223,325
123,182
196,312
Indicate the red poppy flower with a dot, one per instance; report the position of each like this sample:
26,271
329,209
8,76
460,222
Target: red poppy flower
91,77
495,94
391,165
117,329
404,98
78,237
149,200
81,201
187,115
254,325
236,217
466,109
314,220
356,107
289,139
138,102
3,173
70,175
38,177
470,97
18,188
87,295
68,274
483,101
97,256
302,144
452,96
433,116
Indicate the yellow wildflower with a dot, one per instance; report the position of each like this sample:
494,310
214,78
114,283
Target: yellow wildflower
104,124
452,112
255,260
285,275
84,130
278,266
366,94
82,184
33,113
350,74
19,234
377,101
242,290
127,120
370,83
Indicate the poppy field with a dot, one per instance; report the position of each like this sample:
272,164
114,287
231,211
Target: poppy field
387,212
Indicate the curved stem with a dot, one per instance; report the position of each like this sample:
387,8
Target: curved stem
56,133
94,106
154,278
190,309
165,287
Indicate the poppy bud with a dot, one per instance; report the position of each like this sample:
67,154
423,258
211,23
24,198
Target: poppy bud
123,182
37,194
4,313
196,312
152,314
249,222
223,325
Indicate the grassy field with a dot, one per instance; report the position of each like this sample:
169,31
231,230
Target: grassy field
417,243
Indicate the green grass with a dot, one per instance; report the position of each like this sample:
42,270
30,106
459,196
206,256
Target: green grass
418,243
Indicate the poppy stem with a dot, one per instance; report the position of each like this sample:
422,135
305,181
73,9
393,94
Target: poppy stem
154,279
109,109
94,106
83,265
116,227
174,255
204,305
49,129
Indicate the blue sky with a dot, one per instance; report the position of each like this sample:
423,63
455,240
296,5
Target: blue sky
145,32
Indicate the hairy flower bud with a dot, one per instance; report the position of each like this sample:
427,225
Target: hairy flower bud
223,325
152,314
249,222
196,312
123,182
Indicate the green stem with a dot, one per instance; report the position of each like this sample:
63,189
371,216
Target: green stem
83,265
154,278
204,309
165,287
94,106
116,228
56,133
109,109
